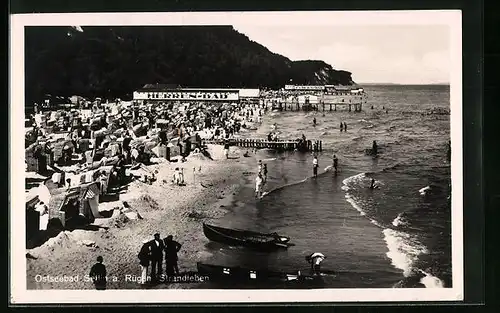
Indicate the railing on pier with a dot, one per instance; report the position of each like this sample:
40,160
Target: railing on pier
280,145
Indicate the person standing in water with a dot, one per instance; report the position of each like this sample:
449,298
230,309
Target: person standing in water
341,126
264,174
374,148
315,166
258,186
314,121
335,162
372,184
345,126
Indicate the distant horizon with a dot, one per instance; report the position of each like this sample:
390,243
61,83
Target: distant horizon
404,84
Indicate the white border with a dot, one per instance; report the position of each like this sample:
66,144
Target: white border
19,293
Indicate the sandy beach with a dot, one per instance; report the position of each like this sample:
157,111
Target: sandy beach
209,189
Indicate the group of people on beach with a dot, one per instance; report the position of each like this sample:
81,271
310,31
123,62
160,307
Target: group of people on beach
151,254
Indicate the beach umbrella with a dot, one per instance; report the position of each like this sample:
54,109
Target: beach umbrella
317,254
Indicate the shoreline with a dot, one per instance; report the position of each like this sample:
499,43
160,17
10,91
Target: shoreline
118,238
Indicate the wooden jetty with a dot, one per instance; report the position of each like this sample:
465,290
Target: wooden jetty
322,106
280,145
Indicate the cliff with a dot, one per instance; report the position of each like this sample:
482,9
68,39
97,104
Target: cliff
115,61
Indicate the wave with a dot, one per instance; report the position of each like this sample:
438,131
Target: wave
353,179
404,250
430,281
354,204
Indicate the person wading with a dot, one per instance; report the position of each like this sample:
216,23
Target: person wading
157,248
258,185
315,166
98,274
171,258
335,162
264,174
374,148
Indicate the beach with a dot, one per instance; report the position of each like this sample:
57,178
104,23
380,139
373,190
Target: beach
397,235
204,197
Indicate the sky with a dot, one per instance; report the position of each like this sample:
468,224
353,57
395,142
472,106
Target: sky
400,54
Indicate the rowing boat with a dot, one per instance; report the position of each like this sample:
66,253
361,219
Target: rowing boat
245,238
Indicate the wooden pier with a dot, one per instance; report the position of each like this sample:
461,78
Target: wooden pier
279,145
323,106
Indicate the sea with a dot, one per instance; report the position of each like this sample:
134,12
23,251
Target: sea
397,235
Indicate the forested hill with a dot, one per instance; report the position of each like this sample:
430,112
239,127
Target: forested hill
115,61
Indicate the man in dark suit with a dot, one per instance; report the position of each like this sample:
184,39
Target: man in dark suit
98,274
171,249
157,248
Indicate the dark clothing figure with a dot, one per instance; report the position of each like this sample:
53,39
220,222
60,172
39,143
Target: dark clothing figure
264,172
171,249
144,255
120,166
335,162
448,155
144,258
374,148
157,248
341,126
314,121
98,274
372,185
345,126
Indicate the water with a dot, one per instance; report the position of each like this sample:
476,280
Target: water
398,235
